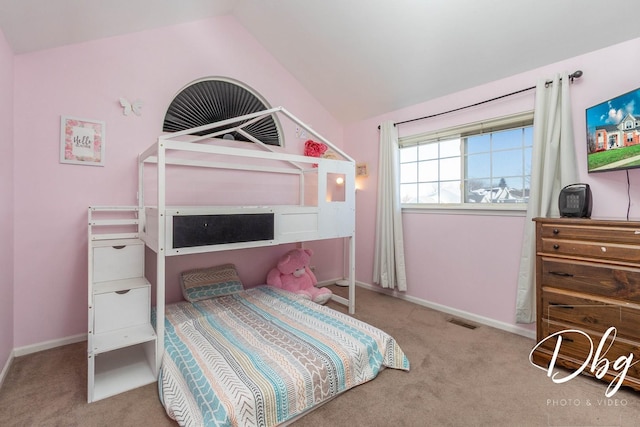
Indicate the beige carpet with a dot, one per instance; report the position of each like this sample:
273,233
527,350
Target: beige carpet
458,377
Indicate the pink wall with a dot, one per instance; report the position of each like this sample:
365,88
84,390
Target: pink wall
6,201
449,260
86,80
470,262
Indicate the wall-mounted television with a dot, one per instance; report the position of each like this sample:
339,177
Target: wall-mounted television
613,133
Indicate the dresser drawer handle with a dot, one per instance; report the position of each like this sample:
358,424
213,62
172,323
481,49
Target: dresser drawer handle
123,292
556,246
119,247
558,305
556,231
560,273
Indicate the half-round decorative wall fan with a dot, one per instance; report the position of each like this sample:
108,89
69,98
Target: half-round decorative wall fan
214,99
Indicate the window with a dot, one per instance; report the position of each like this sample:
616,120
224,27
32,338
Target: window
485,163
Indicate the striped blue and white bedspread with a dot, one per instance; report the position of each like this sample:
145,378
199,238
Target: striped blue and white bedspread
263,356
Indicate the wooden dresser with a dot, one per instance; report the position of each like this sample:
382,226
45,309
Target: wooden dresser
588,279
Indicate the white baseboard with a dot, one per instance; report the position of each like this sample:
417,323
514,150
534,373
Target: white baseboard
324,283
5,369
453,311
34,348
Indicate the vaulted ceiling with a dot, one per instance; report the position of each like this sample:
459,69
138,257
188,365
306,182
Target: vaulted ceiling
359,58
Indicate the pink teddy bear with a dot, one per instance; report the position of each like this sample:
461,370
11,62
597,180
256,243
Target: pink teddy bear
293,274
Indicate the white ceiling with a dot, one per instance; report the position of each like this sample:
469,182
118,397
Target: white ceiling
359,58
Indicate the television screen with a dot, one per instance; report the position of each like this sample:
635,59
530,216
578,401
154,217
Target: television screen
613,134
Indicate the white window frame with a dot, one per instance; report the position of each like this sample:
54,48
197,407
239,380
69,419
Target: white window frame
485,126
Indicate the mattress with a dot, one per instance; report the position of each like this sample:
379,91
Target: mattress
263,356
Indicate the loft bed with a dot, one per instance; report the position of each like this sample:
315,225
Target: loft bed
178,230
220,360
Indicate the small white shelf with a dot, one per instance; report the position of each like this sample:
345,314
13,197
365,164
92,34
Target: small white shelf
123,370
122,338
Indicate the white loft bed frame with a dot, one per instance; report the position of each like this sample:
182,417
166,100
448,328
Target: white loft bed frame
291,223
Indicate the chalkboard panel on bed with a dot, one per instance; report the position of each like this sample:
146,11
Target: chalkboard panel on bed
203,230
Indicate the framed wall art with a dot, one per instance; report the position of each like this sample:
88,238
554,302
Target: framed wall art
362,169
82,141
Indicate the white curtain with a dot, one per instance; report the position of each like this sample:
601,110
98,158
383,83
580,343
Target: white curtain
553,166
388,264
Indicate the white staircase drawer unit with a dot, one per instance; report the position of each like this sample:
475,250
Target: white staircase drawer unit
121,309
117,262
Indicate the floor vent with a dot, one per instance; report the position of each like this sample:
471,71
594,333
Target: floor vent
462,323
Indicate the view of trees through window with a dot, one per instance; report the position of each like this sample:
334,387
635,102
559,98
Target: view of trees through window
492,167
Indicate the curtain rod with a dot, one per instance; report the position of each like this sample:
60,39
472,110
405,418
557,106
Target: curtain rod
575,75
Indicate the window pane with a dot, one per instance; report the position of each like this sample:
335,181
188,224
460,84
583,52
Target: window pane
528,152
478,143
477,184
450,192
408,193
408,172
510,190
450,169
428,171
450,148
476,190
409,154
428,192
478,166
516,186
521,189
506,139
507,163
528,136
428,151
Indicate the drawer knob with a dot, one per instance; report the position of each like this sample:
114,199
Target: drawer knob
556,246
119,247
123,292
556,231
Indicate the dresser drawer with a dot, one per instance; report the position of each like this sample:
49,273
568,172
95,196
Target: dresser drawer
121,309
587,249
118,262
576,347
587,314
591,278
594,233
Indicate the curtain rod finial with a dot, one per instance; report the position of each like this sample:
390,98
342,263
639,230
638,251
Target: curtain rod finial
575,75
